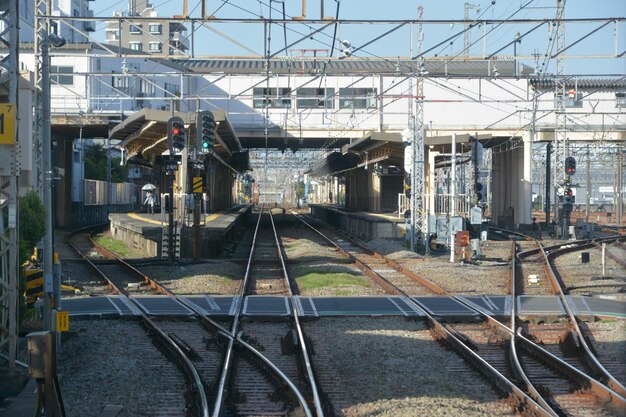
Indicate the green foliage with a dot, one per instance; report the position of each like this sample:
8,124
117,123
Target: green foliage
300,190
32,228
118,247
31,223
320,280
96,165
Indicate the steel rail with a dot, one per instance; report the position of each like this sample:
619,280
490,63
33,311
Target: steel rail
188,368
604,392
202,316
516,364
613,391
419,279
614,257
524,399
226,369
607,394
294,314
590,358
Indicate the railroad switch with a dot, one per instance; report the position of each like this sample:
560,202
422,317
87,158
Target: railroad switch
289,343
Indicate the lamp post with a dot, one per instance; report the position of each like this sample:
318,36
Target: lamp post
51,297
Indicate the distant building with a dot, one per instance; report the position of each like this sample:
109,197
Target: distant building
155,37
59,8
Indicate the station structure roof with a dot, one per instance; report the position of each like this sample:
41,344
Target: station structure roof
145,133
352,66
586,84
372,148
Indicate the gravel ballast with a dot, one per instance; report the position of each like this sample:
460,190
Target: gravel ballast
218,278
114,362
392,367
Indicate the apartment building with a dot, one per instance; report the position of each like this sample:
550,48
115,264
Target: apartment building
155,37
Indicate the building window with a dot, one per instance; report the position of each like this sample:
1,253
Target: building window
620,100
357,98
272,97
134,29
170,89
155,46
136,46
155,28
112,35
62,75
315,98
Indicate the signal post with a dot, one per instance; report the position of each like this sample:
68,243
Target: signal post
568,195
205,139
176,141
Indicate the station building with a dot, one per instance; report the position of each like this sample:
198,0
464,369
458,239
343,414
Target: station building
352,111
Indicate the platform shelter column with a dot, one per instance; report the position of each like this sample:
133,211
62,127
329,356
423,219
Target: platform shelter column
511,185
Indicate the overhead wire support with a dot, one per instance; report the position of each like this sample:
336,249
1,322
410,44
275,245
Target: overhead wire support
560,128
9,172
418,215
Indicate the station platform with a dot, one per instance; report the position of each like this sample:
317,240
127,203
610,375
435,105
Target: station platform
529,307
144,231
365,225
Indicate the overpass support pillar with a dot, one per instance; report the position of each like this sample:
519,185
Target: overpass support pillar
512,186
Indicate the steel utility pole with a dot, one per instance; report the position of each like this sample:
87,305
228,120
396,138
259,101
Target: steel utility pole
418,215
9,172
560,129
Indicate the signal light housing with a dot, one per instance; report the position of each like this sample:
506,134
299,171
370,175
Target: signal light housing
570,165
205,131
176,137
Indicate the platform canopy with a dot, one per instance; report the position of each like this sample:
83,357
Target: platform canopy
145,133
372,148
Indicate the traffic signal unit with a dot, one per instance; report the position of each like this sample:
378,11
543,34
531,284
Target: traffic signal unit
570,165
176,135
205,131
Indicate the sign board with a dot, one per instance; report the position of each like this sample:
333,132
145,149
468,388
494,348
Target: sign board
197,185
408,159
63,321
476,215
7,124
34,284
462,239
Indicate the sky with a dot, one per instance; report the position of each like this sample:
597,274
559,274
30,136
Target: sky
249,39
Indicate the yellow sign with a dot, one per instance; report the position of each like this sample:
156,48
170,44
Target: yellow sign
197,184
7,124
63,321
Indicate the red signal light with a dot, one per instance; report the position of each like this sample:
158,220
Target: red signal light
176,131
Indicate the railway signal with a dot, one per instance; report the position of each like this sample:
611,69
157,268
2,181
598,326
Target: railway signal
205,131
478,187
175,135
570,165
568,195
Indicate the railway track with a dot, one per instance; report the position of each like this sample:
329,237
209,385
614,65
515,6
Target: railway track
287,383
498,373
535,365
197,397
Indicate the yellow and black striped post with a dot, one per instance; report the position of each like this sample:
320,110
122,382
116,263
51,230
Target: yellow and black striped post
197,185
34,284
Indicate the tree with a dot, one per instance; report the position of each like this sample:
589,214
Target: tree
31,223
96,165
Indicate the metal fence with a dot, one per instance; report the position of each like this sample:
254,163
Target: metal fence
95,193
